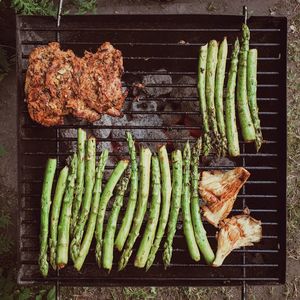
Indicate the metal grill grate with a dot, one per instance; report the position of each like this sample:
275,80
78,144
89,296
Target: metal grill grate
155,45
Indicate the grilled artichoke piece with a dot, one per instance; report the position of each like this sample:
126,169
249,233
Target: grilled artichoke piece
219,190
236,232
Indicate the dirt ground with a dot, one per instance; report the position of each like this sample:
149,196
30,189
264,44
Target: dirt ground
8,200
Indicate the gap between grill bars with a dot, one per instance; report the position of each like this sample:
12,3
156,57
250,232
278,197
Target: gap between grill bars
153,46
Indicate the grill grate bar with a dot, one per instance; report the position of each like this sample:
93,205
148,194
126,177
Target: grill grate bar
62,28
36,43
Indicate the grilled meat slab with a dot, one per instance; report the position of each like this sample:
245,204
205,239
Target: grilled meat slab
219,190
60,83
100,82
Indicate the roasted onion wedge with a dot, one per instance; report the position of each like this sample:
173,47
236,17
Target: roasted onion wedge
219,190
236,232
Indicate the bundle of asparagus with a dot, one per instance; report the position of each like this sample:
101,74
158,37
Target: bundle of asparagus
79,206
219,135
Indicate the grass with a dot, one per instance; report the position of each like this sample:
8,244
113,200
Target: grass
293,190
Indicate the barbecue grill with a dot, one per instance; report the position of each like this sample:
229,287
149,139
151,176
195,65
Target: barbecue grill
164,50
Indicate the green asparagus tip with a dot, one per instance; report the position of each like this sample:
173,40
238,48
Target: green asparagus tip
237,44
246,32
213,43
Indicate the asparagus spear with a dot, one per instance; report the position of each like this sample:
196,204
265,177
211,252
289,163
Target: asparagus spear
89,180
45,211
106,195
175,205
55,211
211,65
65,217
200,233
165,203
144,186
251,91
231,129
81,140
108,241
220,76
202,98
87,240
149,234
186,209
248,131
127,220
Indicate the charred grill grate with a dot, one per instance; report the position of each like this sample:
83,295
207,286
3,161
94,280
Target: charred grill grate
162,52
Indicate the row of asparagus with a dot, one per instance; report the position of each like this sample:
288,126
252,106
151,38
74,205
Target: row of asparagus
220,134
77,212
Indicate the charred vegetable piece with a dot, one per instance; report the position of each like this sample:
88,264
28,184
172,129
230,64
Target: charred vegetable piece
149,234
65,217
105,197
246,122
175,205
220,77
202,99
144,188
211,66
87,240
231,128
252,89
108,241
55,212
89,180
131,204
219,190
45,212
166,188
81,142
236,232
200,233
185,204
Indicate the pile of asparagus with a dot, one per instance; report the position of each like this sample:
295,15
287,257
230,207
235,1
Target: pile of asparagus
220,134
77,210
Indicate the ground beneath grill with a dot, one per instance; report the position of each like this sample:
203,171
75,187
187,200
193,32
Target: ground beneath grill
8,155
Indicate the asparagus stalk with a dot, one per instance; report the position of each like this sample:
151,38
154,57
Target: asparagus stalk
87,240
248,131
89,180
175,205
202,99
144,186
65,217
211,65
127,220
149,234
186,209
200,233
55,211
45,211
220,76
251,91
165,203
108,241
81,141
231,129
105,197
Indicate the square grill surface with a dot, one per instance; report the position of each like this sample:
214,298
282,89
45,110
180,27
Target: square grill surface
162,52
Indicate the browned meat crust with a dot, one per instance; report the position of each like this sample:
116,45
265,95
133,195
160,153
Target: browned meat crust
58,83
100,83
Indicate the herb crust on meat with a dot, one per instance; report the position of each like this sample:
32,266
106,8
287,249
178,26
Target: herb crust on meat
59,83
